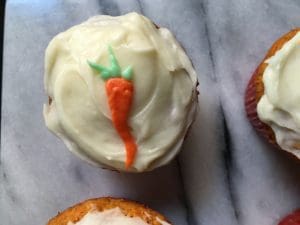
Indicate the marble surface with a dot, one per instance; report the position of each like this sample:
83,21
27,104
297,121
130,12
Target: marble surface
225,174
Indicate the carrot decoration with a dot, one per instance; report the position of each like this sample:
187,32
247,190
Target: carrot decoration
119,91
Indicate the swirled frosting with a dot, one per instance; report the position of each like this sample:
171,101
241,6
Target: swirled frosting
279,107
164,100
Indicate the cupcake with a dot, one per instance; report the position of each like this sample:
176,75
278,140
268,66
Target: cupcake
273,94
122,92
108,211
291,219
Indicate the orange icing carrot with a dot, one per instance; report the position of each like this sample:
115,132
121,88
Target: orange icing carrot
119,91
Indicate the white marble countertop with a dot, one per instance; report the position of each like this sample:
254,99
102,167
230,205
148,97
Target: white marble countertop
225,175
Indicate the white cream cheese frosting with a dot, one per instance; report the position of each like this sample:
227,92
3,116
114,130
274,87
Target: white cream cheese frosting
164,101
108,217
279,107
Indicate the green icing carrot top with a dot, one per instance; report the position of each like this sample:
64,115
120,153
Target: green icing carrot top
114,70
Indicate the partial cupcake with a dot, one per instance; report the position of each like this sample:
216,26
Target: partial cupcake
291,219
109,211
273,94
122,92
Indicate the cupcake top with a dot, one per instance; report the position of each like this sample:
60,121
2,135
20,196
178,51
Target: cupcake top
108,217
108,211
279,107
112,216
151,68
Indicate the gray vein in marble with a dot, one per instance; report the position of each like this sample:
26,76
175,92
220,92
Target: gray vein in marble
109,7
140,6
229,165
202,6
190,218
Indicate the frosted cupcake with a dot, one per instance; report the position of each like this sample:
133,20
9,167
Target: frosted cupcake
273,94
109,211
122,92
